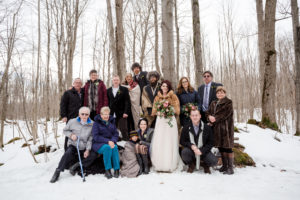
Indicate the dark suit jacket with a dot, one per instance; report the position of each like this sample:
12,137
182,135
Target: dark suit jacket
212,94
119,104
207,137
70,103
142,80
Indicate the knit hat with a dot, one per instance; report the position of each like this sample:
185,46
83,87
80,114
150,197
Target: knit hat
133,133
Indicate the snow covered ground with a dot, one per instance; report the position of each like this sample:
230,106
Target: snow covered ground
276,175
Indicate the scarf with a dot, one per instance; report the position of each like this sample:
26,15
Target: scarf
200,143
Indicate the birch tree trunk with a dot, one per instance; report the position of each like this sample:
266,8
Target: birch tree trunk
177,42
155,10
48,63
268,95
168,65
296,35
197,43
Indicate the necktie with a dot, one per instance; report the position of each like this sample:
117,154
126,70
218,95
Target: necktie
206,98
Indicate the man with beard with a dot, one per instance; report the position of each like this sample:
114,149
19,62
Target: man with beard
148,95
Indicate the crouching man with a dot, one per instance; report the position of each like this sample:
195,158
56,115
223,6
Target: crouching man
197,141
78,127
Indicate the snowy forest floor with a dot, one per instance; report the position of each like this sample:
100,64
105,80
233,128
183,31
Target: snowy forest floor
276,175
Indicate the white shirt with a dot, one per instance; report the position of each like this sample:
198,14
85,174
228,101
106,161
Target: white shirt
115,90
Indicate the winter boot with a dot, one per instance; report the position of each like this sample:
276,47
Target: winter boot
117,173
224,163
55,176
73,168
140,162
191,167
145,163
229,171
205,167
108,174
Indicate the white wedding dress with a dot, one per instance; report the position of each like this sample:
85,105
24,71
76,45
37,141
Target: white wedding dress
164,145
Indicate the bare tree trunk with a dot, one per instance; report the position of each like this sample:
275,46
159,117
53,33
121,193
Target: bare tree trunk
296,35
120,42
260,40
177,42
268,97
168,65
155,10
197,42
35,90
145,35
49,24
112,41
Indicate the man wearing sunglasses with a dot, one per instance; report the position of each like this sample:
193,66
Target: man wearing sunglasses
207,93
78,127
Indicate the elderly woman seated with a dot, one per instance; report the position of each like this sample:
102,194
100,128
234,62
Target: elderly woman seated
105,137
80,127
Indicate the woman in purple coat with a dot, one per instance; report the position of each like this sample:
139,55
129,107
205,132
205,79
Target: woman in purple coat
105,137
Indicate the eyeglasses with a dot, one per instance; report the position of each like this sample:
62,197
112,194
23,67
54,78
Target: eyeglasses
184,81
85,114
206,76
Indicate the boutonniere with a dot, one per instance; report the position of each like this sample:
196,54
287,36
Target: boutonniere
142,76
119,92
213,87
97,83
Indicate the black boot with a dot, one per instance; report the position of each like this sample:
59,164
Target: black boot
108,174
224,162
55,176
140,162
145,163
117,173
229,171
73,168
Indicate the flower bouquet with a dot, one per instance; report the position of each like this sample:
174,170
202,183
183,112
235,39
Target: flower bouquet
164,109
186,109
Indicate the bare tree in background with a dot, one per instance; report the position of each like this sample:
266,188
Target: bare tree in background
112,41
197,42
120,42
177,41
168,65
296,36
268,92
8,42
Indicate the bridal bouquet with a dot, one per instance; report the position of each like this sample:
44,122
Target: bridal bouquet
186,109
164,109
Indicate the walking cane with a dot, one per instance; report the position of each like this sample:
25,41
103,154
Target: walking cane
80,163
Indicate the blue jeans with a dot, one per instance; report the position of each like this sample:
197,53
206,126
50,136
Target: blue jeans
110,155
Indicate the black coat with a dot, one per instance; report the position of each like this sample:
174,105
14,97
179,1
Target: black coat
142,80
212,94
207,137
70,103
119,104
184,98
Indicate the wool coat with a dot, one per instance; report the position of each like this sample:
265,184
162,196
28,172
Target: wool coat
224,125
70,103
102,95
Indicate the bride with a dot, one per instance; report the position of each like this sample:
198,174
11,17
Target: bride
164,145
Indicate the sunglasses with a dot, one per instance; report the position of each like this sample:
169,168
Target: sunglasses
85,114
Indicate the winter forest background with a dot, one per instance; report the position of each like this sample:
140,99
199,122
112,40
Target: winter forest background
47,43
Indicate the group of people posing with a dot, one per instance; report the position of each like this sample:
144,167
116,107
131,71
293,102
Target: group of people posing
161,126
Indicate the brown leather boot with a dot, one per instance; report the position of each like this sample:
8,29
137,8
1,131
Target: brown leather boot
224,163
191,168
230,158
206,168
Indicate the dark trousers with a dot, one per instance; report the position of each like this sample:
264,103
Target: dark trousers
121,124
71,155
203,117
93,114
188,157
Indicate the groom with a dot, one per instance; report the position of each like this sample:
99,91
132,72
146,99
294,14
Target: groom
197,140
